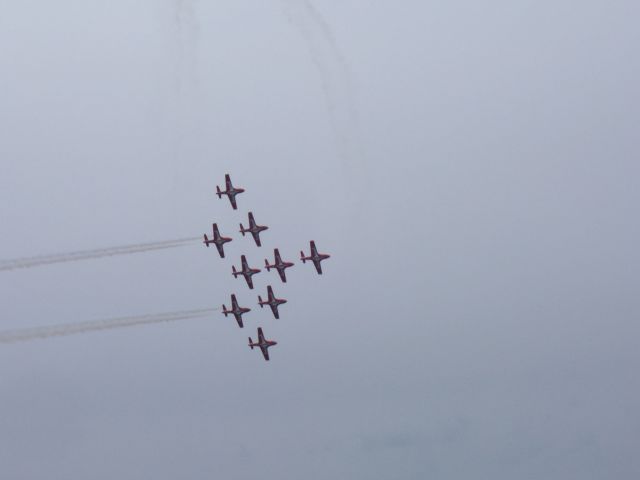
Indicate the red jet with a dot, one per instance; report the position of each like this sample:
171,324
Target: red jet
278,265
262,343
246,272
230,192
253,229
236,309
273,302
218,240
315,257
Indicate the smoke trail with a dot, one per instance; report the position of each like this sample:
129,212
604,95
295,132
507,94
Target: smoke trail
186,29
89,254
26,334
185,102
339,59
334,77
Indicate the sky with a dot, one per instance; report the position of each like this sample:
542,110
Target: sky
471,168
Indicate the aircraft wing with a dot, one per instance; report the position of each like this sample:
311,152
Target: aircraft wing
220,248
283,275
216,232
274,309
314,251
238,319
232,199
249,281
265,352
234,302
252,222
256,237
318,266
227,181
260,335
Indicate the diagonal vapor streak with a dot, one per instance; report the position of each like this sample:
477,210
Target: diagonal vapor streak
30,262
186,30
335,77
27,334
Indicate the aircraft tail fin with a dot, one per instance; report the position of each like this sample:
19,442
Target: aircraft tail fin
206,240
224,310
260,301
266,265
218,191
251,343
242,230
233,269
302,257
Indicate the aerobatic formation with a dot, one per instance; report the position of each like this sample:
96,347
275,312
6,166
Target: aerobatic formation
246,271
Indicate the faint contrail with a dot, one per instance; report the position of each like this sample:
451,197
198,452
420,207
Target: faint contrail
334,76
187,38
88,254
26,334
186,99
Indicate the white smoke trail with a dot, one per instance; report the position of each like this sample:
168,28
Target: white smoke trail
26,334
30,262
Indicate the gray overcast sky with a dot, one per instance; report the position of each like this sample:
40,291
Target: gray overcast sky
472,167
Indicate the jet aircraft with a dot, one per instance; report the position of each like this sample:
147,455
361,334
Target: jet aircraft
230,191
236,310
218,240
278,265
253,229
272,301
263,343
246,271
315,257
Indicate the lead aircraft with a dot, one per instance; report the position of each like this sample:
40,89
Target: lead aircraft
253,229
236,310
230,191
278,265
263,343
246,272
315,257
218,240
272,301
